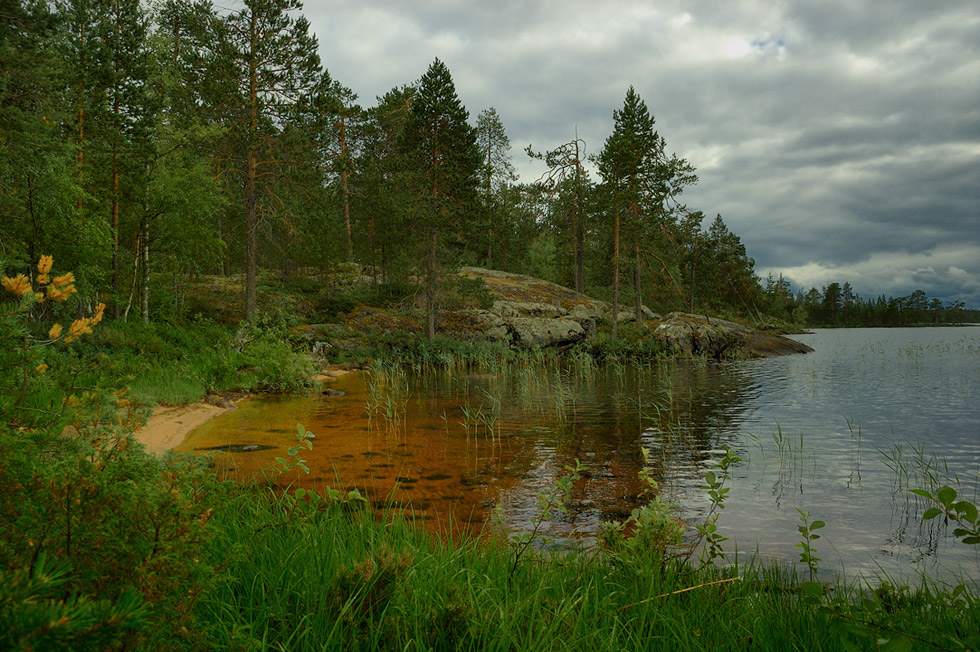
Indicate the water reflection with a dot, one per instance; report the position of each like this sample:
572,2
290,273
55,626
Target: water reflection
837,433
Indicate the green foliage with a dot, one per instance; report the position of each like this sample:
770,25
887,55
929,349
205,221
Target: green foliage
651,531
807,528
461,292
172,363
632,343
717,493
962,512
116,532
37,615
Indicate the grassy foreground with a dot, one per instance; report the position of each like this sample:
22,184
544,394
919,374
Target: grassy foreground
106,547
338,579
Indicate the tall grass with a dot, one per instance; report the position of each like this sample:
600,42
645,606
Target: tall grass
342,580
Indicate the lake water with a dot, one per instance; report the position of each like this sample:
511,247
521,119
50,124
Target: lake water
842,433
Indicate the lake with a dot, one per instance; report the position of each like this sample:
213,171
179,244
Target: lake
842,433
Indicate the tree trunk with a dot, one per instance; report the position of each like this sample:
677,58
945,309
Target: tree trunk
346,192
81,153
430,290
636,283
578,230
251,218
81,127
251,239
115,225
615,278
115,175
145,308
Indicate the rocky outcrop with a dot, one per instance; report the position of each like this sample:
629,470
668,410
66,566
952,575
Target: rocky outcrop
541,331
529,325
511,309
530,312
699,335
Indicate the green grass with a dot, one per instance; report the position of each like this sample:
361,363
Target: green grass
344,580
171,364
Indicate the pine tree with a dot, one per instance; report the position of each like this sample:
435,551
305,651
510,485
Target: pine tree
497,172
641,181
568,181
274,62
442,165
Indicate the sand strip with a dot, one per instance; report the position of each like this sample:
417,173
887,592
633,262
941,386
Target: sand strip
168,426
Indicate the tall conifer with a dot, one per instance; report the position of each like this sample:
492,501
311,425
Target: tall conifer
442,163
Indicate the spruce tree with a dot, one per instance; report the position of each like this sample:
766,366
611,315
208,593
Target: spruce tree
641,182
273,64
497,172
442,166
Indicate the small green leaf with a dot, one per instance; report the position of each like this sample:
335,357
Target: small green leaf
923,493
946,495
817,524
897,643
967,509
931,513
301,429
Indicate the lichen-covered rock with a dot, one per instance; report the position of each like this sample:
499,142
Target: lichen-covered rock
488,325
628,315
367,320
511,309
541,332
699,335
591,310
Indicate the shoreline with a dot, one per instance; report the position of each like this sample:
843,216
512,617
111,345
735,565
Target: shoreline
168,425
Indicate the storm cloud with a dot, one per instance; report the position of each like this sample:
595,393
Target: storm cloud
839,140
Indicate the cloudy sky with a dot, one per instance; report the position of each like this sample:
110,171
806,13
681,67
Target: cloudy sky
840,139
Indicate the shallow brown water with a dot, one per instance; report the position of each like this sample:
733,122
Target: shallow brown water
822,432
435,456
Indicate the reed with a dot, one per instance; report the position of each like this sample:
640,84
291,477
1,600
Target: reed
342,580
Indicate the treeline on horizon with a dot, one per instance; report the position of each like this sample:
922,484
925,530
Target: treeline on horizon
145,144
838,305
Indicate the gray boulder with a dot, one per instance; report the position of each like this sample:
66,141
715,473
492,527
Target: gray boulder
628,315
540,332
698,335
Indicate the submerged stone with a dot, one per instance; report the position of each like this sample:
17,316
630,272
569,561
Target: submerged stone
238,448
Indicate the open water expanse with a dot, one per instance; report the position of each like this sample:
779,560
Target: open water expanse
842,433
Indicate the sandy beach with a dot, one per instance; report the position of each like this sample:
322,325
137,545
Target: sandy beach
168,426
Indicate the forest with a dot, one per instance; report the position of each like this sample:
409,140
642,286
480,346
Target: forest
148,144
150,149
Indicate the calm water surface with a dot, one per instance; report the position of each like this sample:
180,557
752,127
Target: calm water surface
842,433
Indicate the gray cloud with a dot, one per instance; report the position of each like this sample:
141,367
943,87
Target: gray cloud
840,140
